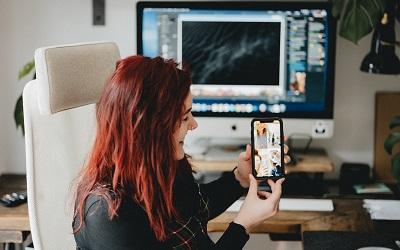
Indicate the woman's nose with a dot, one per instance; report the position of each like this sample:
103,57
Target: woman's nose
193,125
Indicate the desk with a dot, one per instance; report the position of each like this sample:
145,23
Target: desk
14,222
313,162
348,215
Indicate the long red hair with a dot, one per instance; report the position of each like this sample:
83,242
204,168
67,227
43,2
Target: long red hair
137,115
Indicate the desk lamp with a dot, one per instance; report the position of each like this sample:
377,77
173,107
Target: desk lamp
382,58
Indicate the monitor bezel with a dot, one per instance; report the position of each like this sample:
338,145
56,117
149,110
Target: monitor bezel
327,113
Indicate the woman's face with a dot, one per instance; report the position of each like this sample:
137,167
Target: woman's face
187,123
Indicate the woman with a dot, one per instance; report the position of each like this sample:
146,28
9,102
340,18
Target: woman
137,190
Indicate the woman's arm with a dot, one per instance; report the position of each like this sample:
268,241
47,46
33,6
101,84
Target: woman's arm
257,207
235,237
222,193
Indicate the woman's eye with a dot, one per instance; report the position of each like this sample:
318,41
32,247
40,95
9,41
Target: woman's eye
185,119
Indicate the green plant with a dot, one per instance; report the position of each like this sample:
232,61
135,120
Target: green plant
360,17
19,109
390,142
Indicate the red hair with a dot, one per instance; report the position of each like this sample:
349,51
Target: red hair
133,152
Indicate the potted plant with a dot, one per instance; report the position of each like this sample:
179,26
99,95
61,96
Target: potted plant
19,110
391,143
360,17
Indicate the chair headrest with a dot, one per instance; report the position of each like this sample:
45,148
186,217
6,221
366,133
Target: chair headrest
73,75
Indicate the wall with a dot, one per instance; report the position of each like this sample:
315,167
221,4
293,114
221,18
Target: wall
26,25
353,139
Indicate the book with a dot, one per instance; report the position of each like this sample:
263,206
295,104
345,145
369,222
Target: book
372,188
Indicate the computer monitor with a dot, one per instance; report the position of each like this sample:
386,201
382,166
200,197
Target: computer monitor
248,59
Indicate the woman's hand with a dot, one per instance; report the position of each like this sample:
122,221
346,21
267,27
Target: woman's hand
244,165
244,168
259,205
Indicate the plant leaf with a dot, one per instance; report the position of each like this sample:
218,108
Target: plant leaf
26,69
337,8
391,140
395,122
396,166
19,114
360,18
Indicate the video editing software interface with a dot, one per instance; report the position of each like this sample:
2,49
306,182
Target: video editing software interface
245,62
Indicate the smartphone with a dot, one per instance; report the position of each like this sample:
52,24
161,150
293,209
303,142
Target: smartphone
267,148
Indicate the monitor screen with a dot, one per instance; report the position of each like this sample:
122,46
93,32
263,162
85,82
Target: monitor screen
248,59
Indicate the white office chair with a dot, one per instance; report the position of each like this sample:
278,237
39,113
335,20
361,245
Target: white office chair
59,116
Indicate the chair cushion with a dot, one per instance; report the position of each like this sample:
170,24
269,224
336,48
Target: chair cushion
73,75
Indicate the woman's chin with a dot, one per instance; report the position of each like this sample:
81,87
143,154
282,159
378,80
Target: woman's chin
180,154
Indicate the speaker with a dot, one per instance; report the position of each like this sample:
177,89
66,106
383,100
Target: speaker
351,174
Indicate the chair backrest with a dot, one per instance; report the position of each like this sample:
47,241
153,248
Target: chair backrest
59,117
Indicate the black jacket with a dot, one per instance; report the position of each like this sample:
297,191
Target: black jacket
196,203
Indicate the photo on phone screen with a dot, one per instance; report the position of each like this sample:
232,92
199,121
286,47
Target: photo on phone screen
267,148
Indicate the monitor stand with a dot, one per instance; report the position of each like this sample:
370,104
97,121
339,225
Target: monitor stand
216,149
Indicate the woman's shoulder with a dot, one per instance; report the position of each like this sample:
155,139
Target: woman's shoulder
99,211
99,229
99,203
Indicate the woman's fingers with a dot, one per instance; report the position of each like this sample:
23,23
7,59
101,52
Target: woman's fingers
287,159
248,151
276,188
271,184
263,194
285,148
253,185
245,155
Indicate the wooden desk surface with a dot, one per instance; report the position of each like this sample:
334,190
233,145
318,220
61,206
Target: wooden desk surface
348,215
15,218
13,221
314,162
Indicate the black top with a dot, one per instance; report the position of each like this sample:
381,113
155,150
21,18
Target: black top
196,203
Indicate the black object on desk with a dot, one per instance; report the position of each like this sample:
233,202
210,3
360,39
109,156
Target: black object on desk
329,240
351,174
13,199
12,190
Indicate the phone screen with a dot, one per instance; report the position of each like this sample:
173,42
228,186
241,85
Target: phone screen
267,148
